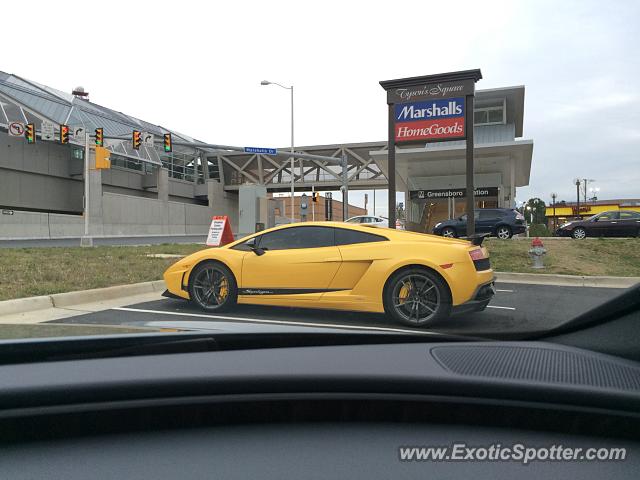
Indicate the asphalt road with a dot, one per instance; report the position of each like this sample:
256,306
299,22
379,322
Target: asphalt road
75,242
516,308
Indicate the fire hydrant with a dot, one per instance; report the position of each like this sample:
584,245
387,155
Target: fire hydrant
536,252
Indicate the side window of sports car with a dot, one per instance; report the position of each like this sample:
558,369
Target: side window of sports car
245,246
349,237
297,237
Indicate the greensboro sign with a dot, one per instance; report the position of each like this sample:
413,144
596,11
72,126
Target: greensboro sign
452,193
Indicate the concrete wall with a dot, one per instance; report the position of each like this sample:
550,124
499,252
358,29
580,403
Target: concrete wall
37,177
121,215
223,203
125,215
40,225
45,176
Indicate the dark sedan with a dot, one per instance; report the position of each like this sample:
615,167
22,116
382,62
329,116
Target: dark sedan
624,223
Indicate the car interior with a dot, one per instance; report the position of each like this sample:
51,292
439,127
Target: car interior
194,404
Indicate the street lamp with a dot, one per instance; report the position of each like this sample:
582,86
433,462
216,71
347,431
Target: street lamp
553,198
267,82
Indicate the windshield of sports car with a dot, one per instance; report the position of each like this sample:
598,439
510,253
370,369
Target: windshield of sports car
412,168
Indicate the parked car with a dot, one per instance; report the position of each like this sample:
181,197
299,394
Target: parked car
499,222
369,220
624,223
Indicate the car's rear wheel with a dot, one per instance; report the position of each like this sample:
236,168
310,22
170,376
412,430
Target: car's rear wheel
579,233
449,232
417,297
213,287
503,232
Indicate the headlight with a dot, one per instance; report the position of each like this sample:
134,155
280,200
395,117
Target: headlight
438,224
565,224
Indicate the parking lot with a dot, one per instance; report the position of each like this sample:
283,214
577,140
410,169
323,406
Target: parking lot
517,309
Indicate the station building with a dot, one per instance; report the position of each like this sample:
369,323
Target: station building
149,192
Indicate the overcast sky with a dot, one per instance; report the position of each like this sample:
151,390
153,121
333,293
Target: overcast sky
196,66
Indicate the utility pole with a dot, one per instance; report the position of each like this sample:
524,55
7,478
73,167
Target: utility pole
553,199
86,240
374,202
577,181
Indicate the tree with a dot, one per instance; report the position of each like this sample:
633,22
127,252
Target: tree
535,211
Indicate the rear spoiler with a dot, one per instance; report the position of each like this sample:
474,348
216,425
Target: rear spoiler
477,238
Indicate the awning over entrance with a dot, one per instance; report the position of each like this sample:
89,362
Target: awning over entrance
441,166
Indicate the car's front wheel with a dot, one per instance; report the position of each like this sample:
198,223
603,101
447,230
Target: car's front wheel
417,297
213,287
449,232
579,233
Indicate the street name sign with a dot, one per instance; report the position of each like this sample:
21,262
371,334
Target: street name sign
264,151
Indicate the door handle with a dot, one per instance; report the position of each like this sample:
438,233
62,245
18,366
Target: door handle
614,222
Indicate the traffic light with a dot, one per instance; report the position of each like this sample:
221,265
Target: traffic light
64,134
167,142
315,197
99,137
137,139
102,158
30,133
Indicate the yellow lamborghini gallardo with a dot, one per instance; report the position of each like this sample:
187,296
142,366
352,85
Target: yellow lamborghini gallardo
415,278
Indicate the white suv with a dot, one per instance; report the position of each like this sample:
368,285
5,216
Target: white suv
369,220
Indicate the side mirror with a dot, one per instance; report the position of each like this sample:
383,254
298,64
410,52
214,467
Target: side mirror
257,250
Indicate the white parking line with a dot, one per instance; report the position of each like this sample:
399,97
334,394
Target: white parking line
277,322
491,306
500,290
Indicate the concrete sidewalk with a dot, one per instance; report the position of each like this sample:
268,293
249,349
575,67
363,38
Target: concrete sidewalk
63,305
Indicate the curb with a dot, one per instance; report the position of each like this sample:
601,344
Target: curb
567,280
61,300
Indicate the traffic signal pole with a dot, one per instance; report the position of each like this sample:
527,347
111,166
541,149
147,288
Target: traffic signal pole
86,241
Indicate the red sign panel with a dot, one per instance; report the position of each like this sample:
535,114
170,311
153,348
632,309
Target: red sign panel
430,129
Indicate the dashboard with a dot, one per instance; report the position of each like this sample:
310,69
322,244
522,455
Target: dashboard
318,411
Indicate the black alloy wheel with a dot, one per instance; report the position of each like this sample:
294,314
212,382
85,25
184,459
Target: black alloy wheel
213,287
417,297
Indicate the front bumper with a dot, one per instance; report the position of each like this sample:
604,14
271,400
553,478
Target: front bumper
176,279
480,299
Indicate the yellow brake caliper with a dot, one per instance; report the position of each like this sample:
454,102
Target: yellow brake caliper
224,290
404,292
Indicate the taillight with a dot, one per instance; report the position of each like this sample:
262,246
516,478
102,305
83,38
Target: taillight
519,216
476,254
480,259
